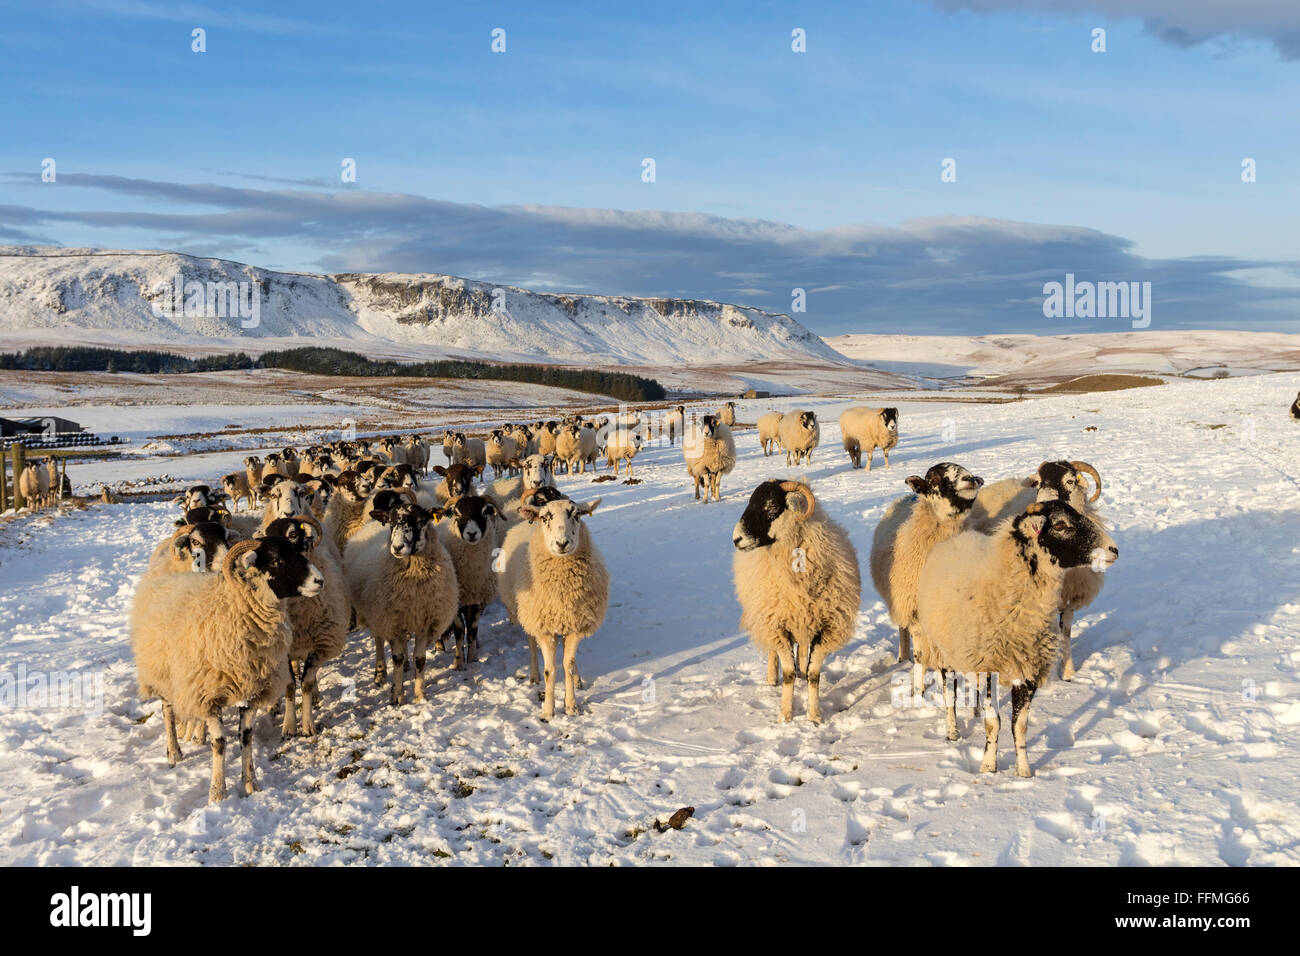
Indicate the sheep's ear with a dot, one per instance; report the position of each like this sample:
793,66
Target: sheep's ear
1031,481
381,516
490,510
589,507
528,513
179,522
439,470
178,500
917,484
1033,524
437,514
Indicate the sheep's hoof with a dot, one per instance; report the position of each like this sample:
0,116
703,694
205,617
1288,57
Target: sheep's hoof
380,678
1022,770
952,735
173,759
571,710
1067,671
989,764
814,718
216,794
309,729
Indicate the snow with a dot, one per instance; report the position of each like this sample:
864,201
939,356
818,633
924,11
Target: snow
1175,744
57,296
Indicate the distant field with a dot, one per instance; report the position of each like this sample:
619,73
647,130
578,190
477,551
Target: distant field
1102,383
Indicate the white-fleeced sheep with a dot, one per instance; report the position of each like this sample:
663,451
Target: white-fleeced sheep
799,434
727,414
903,539
403,586
797,579
236,488
204,642
554,584
986,606
193,548
1053,481
471,451
622,446
501,450
866,429
34,485
710,452
769,432
470,536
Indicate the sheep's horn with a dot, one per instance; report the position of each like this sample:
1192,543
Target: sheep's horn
804,490
313,522
233,555
408,494
1087,469
182,532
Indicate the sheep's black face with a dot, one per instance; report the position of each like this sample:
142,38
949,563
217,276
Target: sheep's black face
951,487
709,426
288,574
1058,481
808,421
459,479
204,546
408,528
199,496
297,532
766,505
1070,539
543,496
205,514
472,516
890,417
398,476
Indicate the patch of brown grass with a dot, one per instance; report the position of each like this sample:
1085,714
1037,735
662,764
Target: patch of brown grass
1101,383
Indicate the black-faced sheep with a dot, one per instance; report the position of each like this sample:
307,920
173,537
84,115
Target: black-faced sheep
986,606
798,583
470,536
1053,481
910,528
403,586
204,642
869,428
1295,408
799,434
727,414
554,585
710,452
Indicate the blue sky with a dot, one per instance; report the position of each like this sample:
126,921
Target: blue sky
774,170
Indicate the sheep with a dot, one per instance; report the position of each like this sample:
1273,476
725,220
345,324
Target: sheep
398,476
198,496
537,471
319,622
727,414
569,448
1053,481
910,528
546,438
472,452
449,446
799,433
470,537
193,548
676,421
457,480
235,486
554,584
56,485
985,605
525,439
203,642
868,428
274,464
403,585
253,471
501,450
34,485
797,580
623,446
1295,408
710,453
346,512
769,429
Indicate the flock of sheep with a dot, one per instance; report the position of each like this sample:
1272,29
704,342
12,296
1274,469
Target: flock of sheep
242,608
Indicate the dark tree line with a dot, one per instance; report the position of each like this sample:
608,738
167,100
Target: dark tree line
324,361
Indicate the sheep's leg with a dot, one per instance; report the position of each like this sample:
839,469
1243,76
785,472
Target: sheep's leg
547,642
785,651
571,673
1022,694
950,701
904,644
310,695
697,487
398,646
290,725
381,672
992,727
457,631
773,668
815,659
885,452
217,735
169,725
533,676
421,658
471,615
247,777
1067,659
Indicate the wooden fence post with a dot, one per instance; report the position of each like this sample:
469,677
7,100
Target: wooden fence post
20,461
4,485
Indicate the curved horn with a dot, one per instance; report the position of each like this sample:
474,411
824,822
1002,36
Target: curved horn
408,494
1087,469
233,555
804,490
313,522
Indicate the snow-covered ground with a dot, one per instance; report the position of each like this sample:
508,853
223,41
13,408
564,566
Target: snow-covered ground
1178,741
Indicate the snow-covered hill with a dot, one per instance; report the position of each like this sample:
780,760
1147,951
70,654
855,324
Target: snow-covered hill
54,295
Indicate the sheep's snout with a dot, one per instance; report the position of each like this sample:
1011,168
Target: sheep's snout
312,586
742,540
